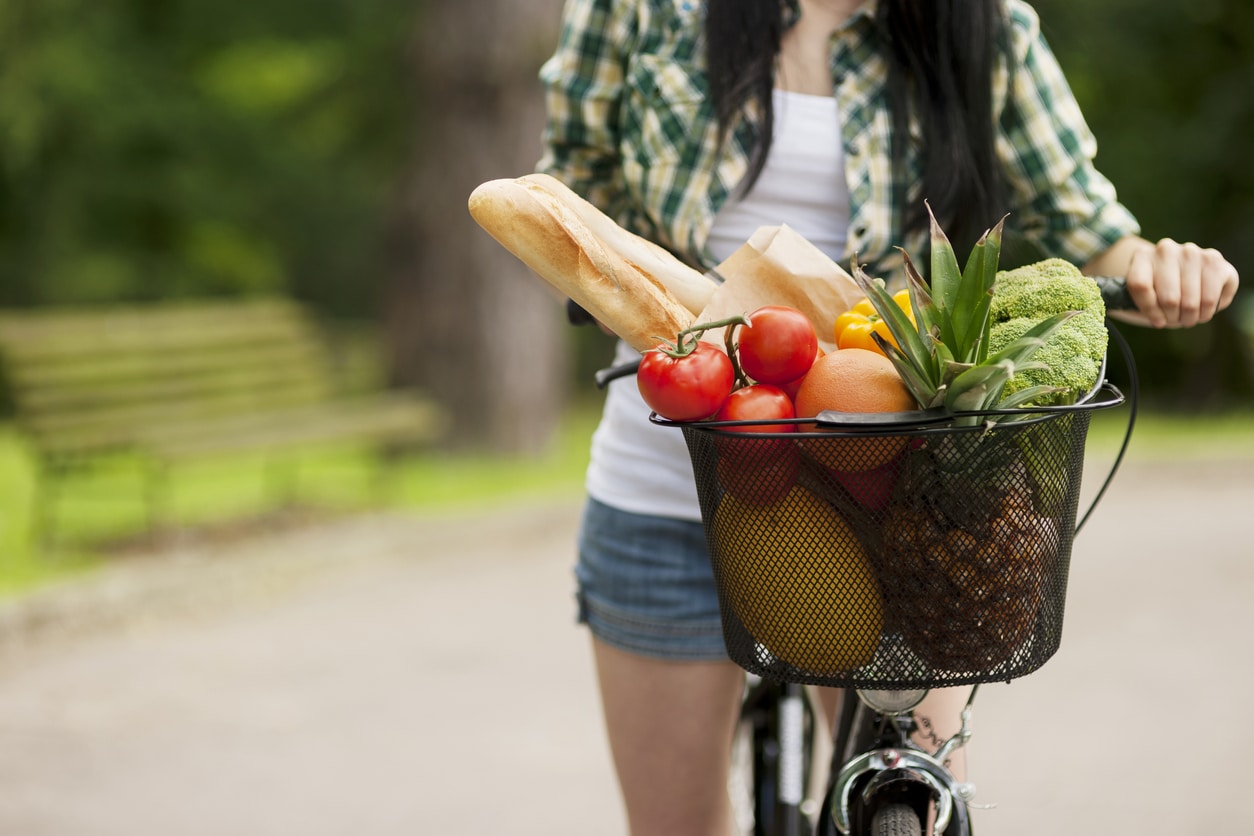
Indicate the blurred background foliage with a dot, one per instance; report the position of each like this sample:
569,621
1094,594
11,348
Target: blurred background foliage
188,148
1168,88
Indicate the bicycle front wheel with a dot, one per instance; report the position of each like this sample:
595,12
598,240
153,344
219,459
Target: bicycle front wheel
895,820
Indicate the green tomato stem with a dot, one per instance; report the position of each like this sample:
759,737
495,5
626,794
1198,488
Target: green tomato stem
683,346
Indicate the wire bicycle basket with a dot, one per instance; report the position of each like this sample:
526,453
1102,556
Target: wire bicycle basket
916,550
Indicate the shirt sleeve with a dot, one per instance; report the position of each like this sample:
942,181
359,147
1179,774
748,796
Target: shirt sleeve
1065,206
583,85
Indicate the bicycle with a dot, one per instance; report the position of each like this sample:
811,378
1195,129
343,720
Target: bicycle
880,782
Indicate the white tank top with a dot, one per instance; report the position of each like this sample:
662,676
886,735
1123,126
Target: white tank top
639,467
802,183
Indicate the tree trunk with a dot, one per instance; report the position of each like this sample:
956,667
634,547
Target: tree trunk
465,319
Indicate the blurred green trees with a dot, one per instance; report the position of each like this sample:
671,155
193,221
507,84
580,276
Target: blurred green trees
167,148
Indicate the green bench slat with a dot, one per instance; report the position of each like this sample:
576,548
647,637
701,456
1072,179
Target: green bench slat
125,423
38,334
186,383
397,418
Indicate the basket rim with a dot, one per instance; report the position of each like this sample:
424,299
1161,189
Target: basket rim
911,422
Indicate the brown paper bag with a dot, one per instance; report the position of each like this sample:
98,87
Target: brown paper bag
778,266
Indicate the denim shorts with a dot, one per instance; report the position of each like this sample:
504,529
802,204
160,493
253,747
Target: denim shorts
645,585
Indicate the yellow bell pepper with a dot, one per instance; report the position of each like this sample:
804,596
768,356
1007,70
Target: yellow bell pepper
855,326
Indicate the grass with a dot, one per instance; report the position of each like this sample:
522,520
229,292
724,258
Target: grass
1159,436
106,504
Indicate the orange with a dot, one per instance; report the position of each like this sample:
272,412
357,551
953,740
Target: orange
799,580
853,380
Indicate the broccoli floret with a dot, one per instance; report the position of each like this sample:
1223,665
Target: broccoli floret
1075,351
1073,354
1043,289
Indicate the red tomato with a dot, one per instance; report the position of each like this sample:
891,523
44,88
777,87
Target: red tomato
757,470
686,388
760,402
778,344
761,481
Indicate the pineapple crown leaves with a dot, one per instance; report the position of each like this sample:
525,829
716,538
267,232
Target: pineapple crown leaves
914,355
943,356
960,298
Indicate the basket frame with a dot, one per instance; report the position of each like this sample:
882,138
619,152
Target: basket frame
920,426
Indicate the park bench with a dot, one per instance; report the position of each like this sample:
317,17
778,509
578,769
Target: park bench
175,382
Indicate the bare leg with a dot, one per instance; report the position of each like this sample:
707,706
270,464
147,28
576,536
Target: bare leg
670,727
829,700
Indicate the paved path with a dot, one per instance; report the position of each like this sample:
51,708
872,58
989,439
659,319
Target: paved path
420,675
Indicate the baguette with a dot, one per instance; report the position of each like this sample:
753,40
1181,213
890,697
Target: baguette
692,288
554,236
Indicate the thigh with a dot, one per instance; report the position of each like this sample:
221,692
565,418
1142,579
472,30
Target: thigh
645,585
670,727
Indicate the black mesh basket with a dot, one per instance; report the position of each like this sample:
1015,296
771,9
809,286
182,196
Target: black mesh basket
918,551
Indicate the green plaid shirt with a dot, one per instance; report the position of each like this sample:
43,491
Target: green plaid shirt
631,128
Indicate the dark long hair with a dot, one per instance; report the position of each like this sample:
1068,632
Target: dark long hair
941,55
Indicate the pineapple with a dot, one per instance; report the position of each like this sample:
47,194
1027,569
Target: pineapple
967,556
967,576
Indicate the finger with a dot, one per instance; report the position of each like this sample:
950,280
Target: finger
1190,267
1230,288
1218,278
1230,281
1167,281
1140,284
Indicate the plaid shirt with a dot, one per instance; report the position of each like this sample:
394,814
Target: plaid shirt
630,126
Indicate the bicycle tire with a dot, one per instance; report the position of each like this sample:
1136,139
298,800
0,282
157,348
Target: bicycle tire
895,820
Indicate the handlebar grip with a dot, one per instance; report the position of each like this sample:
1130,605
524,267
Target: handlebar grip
606,376
1115,293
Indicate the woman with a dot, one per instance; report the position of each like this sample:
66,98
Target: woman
693,123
